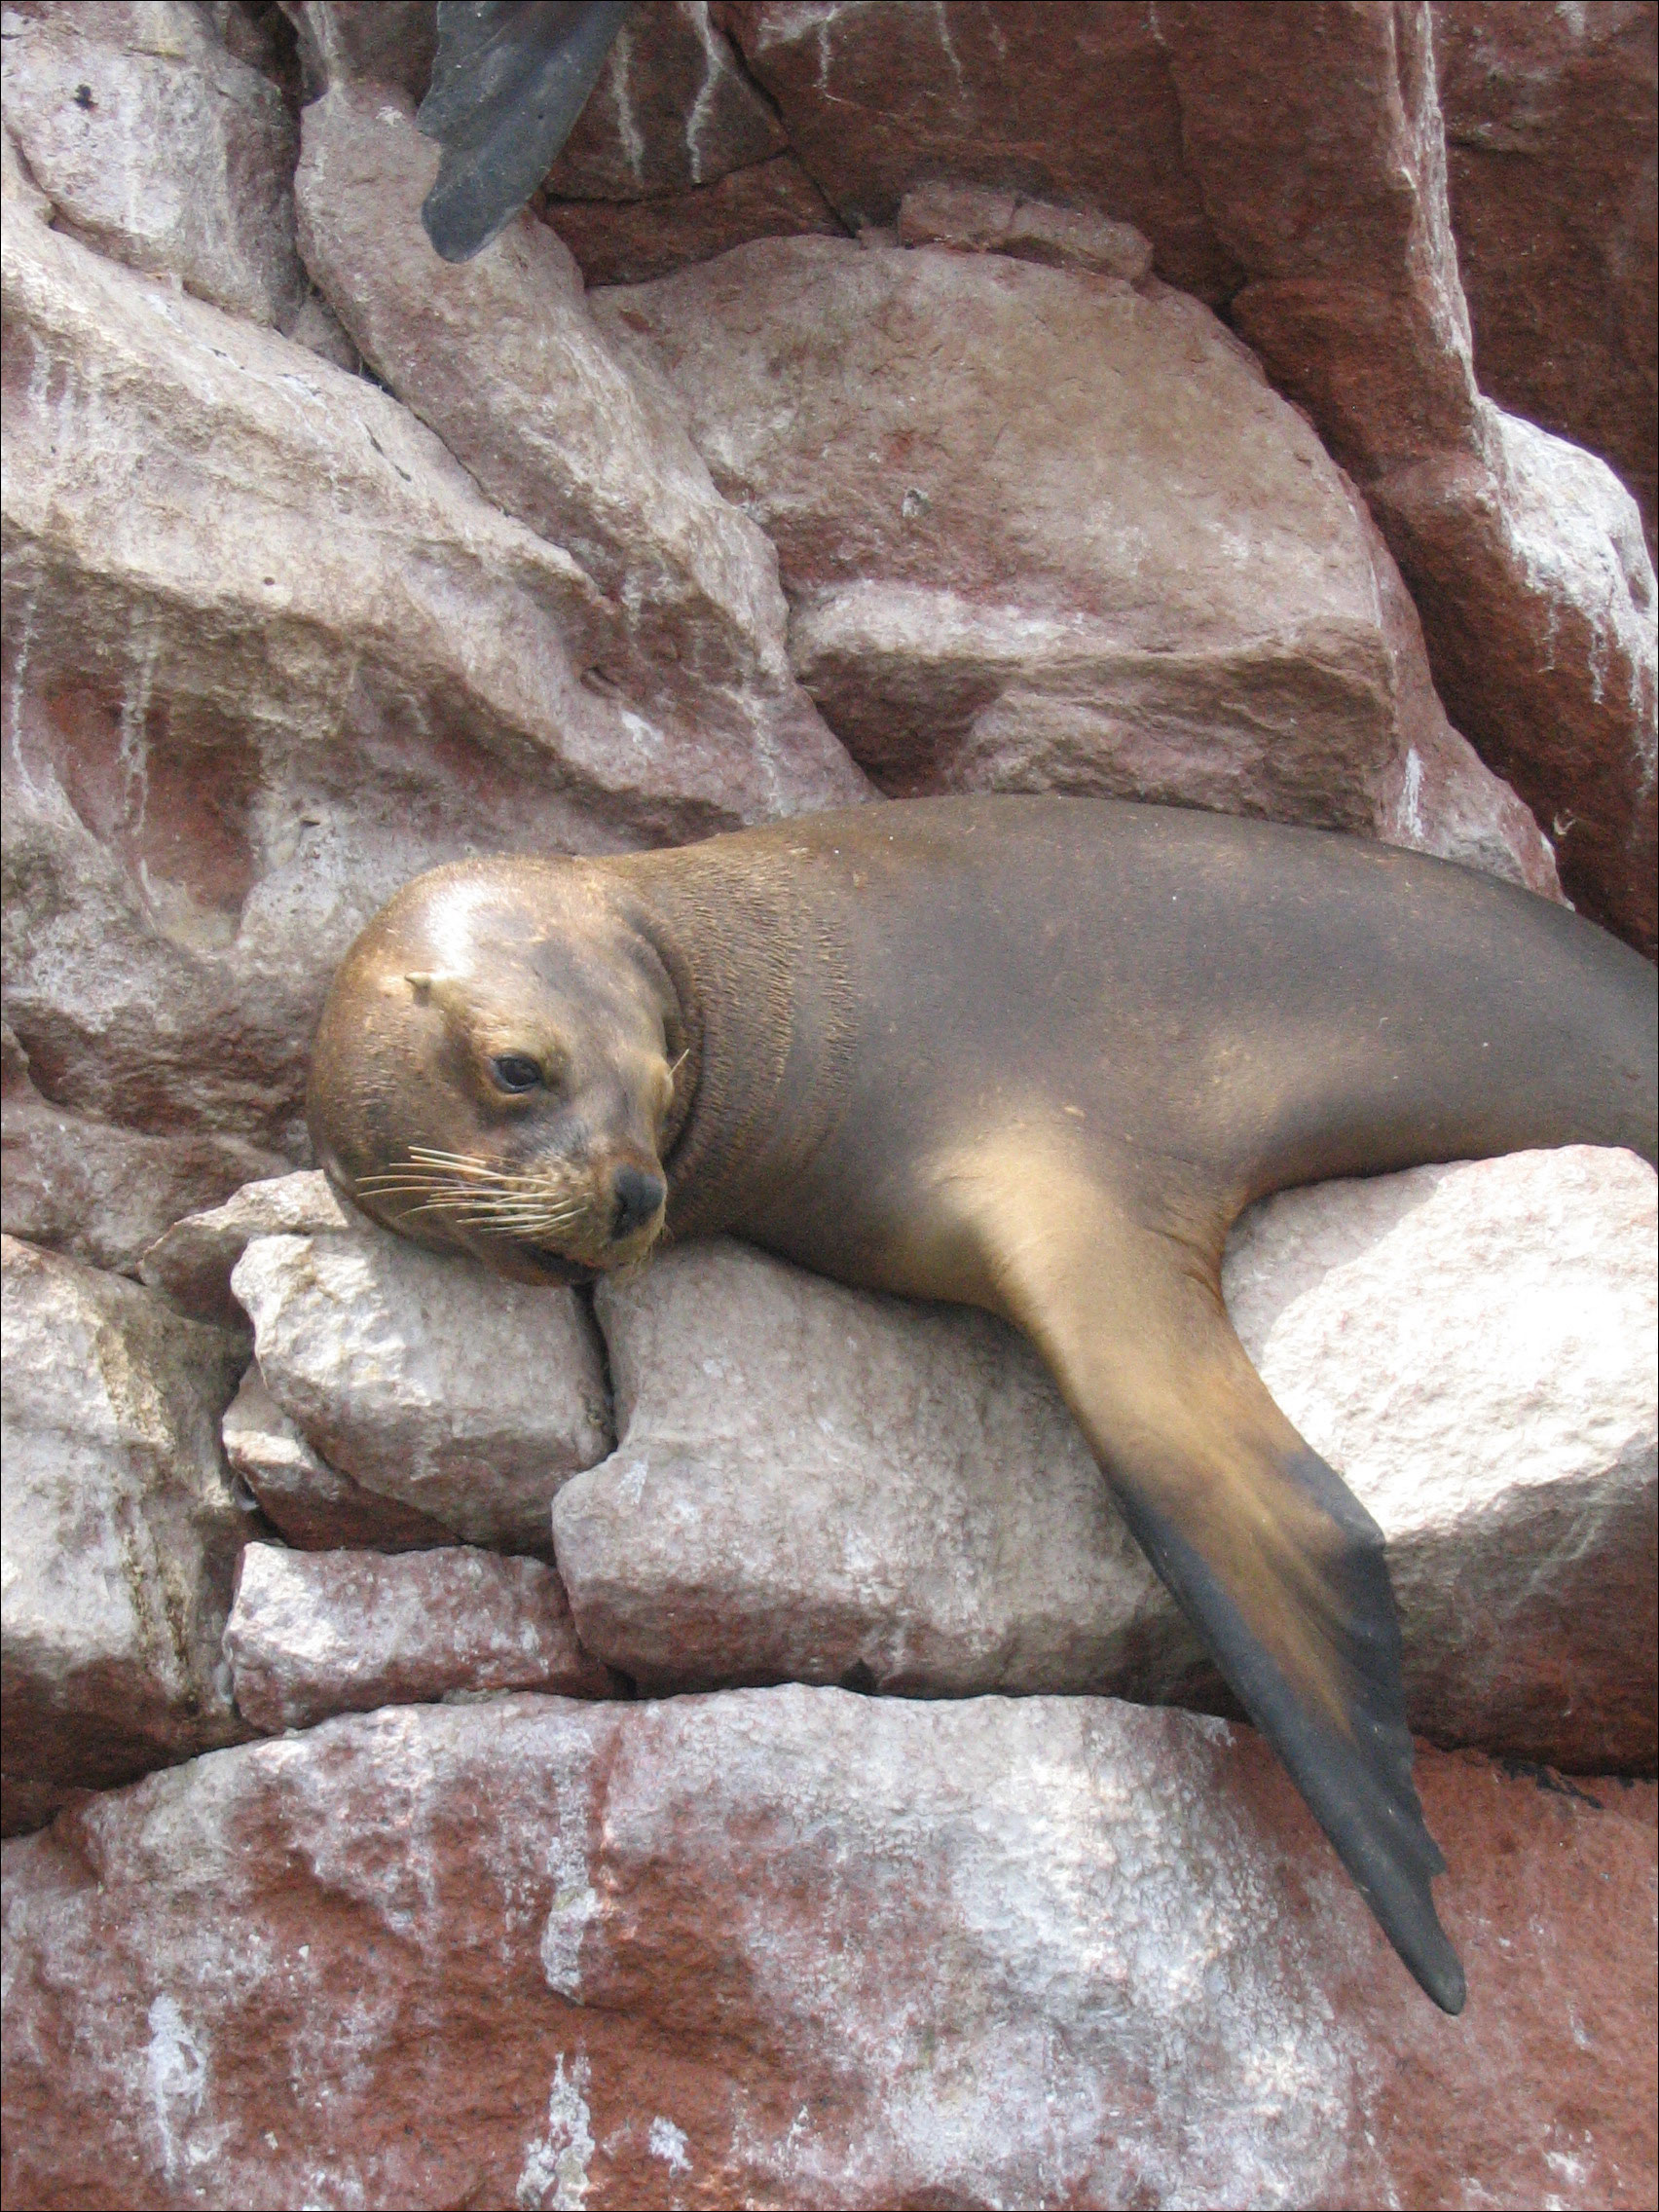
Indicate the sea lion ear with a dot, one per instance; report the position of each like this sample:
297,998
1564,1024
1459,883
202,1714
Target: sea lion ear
432,988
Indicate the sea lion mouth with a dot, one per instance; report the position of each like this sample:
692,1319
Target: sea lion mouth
555,1267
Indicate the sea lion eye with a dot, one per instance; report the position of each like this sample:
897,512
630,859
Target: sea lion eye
515,1071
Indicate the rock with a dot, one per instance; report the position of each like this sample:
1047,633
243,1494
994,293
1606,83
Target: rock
1550,132
306,1501
672,109
1068,103
385,42
1068,539
315,1633
500,357
268,653
427,1380
976,218
121,1533
155,145
815,1484
1528,558
790,1947
99,1192
190,1267
1317,136
626,242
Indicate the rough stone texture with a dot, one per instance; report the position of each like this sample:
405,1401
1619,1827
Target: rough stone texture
159,147
99,1192
672,109
241,710
795,1947
311,1635
818,1485
121,1533
1315,133
1064,537
428,1380
626,242
976,218
310,1503
385,42
500,357
1551,129
1068,102
191,1264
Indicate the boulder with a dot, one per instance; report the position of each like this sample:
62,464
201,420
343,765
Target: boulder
271,652
155,144
500,357
1067,102
1316,135
1550,145
191,1264
427,1380
792,1946
101,1193
815,1484
625,241
310,1503
1067,541
978,218
313,1633
121,1533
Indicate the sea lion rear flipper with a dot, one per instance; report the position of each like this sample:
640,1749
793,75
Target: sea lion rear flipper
1278,1566
507,86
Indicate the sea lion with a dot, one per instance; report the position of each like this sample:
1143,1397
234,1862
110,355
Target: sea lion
1029,1055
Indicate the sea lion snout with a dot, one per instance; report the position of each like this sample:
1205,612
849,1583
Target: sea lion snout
638,1199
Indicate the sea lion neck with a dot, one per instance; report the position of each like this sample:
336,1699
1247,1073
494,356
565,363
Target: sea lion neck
766,1012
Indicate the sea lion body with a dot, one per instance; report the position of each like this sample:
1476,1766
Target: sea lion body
1029,1055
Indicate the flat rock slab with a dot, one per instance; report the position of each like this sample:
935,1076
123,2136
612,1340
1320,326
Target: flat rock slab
189,1264
121,1532
313,1634
815,1484
797,1947
425,1379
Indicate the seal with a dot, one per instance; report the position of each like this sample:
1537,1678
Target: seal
1029,1055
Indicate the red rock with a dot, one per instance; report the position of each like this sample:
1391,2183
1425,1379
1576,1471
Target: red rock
672,109
1067,540
103,1193
795,1947
1550,148
1317,134
976,218
385,42
313,1633
1067,101
625,241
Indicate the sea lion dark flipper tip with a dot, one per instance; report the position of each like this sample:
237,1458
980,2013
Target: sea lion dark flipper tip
1271,1556
508,84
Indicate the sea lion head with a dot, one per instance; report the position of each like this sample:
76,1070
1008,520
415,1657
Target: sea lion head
495,1070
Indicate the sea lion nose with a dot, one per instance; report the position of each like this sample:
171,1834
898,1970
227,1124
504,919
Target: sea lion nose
637,1196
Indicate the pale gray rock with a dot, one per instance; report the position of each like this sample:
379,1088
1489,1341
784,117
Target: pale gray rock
499,355
121,1533
1475,1349
1067,540
103,1193
315,1633
274,655
155,145
793,1947
191,1264
815,1484
310,1503
428,1380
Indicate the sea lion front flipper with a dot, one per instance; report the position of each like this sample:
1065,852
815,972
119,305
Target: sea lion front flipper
1277,1564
